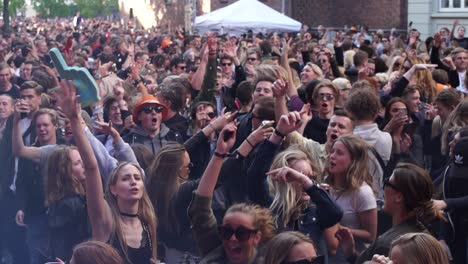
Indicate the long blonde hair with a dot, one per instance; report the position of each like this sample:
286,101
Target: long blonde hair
145,212
420,248
457,119
285,202
358,172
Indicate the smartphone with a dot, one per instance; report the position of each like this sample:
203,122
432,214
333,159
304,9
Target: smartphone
125,114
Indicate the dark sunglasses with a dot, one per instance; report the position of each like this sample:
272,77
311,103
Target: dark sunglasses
211,115
316,260
326,96
148,110
226,64
389,184
242,233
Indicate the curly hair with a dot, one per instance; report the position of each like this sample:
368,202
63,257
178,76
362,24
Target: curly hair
363,104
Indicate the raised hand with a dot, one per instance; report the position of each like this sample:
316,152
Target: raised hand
306,113
68,101
230,49
346,239
424,66
380,259
222,120
226,139
261,133
288,123
280,88
287,174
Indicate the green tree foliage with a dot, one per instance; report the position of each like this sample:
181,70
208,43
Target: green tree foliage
88,8
52,8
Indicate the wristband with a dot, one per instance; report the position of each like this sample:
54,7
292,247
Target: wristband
250,143
279,133
219,155
212,127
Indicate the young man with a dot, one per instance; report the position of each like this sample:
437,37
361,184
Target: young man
150,131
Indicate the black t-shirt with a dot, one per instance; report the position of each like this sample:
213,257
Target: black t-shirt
179,124
463,42
14,92
316,129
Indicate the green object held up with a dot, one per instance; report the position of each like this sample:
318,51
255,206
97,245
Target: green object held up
85,84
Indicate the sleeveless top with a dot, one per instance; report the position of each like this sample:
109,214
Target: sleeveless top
141,255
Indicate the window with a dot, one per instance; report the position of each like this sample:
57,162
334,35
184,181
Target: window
453,5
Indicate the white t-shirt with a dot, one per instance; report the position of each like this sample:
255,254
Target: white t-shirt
461,87
352,203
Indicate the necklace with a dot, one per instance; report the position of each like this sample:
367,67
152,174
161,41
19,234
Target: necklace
128,215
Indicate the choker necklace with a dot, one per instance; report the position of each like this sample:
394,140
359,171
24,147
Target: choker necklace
129,215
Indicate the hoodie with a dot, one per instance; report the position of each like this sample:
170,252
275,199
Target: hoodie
154,144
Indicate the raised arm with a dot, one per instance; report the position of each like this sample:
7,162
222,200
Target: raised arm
18,147
209,79
197,78
98,209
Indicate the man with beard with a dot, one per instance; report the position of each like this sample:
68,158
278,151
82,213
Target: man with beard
150,131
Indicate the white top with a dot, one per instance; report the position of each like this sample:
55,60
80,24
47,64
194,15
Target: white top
352,203
461,87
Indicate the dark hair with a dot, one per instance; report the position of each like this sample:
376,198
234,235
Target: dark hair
416,186
244,92
266,108
450,98
143,155
175,61
174,93
193,111
163,185
440,76
363,104
38,89
360,58
393,101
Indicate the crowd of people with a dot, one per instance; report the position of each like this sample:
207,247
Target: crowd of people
320,146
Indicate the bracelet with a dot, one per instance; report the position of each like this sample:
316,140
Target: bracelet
212,127
219,155
279,133
250,143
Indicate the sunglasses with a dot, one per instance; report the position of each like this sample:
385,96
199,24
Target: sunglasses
211,115
389,184
316,260
242,233
149,110
326,96
226,64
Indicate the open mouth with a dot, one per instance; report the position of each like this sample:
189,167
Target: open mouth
334,136
324,105
154,120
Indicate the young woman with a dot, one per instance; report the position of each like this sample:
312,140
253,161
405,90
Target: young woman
65,196
351,182
414,248
291,248
122,216
406,143
298,203
408,200
244,226
170,193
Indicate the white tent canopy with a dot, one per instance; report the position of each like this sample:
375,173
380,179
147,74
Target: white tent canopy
243,15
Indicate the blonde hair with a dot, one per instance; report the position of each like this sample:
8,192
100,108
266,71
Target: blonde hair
457,119
348,59
285,202
358,172
316,69
420,248
424,80
263,219
145,212
278,248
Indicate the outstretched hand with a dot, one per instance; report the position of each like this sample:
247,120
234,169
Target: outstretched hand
287,174
346,239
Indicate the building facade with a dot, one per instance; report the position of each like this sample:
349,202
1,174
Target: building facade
429,16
